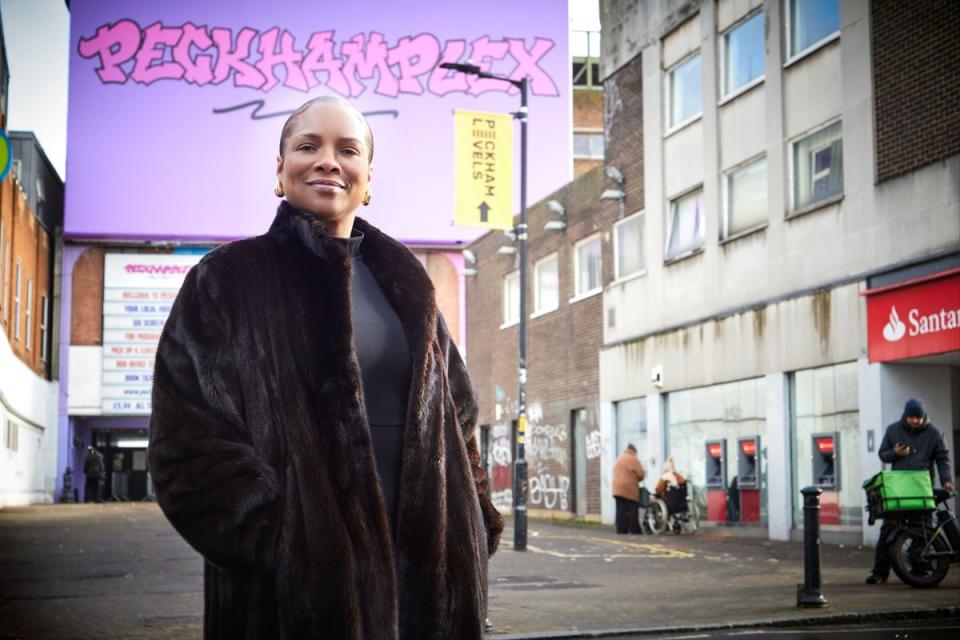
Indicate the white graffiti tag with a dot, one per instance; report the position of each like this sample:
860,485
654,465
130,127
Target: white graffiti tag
502,499
549,490
594,445
500,452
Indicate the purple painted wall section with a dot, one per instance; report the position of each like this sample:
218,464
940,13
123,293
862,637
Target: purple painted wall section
64,424
169,135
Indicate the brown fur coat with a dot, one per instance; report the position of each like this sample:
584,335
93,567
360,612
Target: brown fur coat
262,458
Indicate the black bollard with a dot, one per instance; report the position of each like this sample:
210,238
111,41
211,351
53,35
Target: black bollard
67,494
808,593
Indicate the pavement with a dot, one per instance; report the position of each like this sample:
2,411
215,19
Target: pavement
120,571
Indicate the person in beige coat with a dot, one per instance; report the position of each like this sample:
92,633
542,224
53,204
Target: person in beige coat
627,476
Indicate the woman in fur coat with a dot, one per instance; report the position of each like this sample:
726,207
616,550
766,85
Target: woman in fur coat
312,433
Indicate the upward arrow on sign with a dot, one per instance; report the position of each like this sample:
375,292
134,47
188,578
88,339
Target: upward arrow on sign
484,210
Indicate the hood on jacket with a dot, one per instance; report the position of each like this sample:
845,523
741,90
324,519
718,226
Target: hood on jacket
914,409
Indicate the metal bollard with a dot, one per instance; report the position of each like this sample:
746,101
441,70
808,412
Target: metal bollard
808,593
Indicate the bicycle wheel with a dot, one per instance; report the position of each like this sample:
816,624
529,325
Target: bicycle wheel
913,560
656,516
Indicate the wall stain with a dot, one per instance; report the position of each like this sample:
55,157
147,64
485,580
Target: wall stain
821,317
759,321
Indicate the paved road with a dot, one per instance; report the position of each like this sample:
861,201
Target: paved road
120,571
918,631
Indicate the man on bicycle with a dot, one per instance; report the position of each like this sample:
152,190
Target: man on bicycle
909,444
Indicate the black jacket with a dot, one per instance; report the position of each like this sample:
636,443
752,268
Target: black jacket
262,457
926,448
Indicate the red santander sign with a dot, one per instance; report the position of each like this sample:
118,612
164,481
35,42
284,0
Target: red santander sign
918,317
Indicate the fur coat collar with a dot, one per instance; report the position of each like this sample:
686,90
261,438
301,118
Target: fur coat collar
262,458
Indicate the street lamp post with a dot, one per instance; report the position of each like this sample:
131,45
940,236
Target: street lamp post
520,462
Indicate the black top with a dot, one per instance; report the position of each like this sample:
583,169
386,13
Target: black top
383,354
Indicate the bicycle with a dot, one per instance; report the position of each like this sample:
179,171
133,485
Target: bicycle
922,552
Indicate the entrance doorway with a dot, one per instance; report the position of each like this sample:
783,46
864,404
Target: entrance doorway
125,458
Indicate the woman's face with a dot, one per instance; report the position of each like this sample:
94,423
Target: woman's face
325,168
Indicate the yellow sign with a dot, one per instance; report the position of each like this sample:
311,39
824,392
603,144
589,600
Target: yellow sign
484,169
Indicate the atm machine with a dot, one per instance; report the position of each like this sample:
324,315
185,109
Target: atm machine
716,482
748,478
826,474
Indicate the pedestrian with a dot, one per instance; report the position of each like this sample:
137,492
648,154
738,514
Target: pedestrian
312,433
95,472
911,443
627,476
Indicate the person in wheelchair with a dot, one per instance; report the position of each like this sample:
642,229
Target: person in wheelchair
672,489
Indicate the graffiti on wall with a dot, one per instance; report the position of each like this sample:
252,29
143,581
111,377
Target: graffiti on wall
594,445
550,491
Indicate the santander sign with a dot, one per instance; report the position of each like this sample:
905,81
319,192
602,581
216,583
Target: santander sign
914,318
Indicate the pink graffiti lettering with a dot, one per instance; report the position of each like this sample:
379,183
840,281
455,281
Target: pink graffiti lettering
320,57
414,56
198,70
246,75
483,53
114,44
363,61
199,55
145,71
527,65
442,81
287,56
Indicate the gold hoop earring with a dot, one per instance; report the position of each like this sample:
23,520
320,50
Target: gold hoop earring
366,199
278,189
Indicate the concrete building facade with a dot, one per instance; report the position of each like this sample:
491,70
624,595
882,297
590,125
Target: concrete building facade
794,164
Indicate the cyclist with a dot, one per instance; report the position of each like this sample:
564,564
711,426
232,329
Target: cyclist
911,443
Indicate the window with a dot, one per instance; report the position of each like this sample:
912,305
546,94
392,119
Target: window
685,226
631,419
17,286
588,145
546,290
628,247
684,93
44,327
588,266
818,166
810,22
743,49
41,198
511,298
586,73
29,314
745,197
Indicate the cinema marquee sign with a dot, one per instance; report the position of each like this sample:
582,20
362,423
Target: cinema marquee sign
915,318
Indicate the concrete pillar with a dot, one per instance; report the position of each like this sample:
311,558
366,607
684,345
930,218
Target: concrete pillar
656,437
779,458
608,456
870,391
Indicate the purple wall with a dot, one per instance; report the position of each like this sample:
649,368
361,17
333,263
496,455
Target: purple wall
149,156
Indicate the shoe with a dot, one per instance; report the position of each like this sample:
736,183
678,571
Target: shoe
873,578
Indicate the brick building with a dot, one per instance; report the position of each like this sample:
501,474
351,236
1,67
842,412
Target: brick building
31,211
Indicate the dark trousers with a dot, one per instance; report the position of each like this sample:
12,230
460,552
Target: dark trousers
881,557
93,490
628,515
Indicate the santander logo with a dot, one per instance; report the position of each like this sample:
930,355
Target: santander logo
894,329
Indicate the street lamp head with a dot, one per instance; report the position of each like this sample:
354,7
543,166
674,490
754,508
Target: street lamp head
461,67
614,174
469,272
555,225
507,250
556,207
469,256
613,194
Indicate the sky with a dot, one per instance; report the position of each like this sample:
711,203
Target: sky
37,34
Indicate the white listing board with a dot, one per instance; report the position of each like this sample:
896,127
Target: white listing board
138,291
